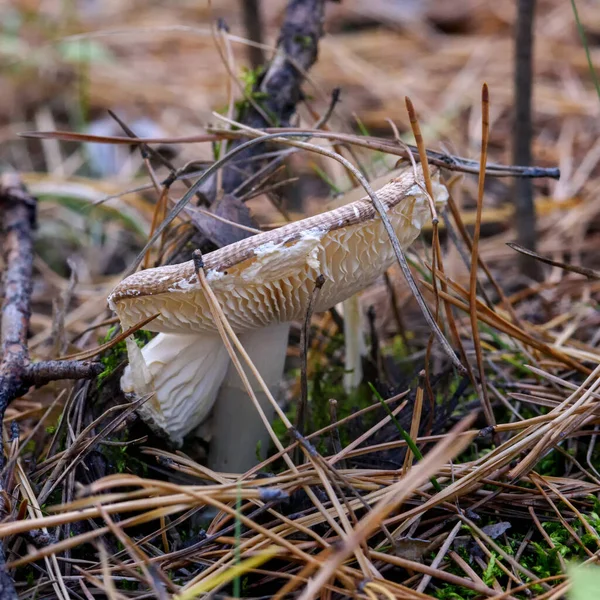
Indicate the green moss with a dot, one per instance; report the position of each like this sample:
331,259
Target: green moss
118,353
553,464
29,447
538,557
492,572
250,78
127,585
253,95
304,40
397,349
449,591
454,592
121,461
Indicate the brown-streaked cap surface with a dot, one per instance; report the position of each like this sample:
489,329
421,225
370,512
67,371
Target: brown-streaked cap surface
268,278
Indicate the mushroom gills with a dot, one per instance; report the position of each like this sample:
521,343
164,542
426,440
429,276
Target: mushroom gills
184,372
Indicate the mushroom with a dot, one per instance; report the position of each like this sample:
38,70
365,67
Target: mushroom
354,338
261,282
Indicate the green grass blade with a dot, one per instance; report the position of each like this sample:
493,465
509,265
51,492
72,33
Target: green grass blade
237,583
410,443
587,49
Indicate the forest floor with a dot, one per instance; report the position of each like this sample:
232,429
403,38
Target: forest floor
97,506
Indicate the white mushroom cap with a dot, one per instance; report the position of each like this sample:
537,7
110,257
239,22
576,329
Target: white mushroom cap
260,281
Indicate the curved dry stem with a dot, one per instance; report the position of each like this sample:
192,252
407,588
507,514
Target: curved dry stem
400,257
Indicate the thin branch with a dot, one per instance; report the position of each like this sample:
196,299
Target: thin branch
304,337
43,372
439,159
18,210
589,273
525,216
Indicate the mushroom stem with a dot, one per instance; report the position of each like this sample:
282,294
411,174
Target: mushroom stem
239,438
354,339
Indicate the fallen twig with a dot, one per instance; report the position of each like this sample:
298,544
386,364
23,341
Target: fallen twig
42,372
18,210
17,374
18,220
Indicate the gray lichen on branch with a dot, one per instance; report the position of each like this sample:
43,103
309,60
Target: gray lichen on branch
280,86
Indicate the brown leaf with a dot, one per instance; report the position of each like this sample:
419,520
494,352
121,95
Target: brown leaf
219,232
411,548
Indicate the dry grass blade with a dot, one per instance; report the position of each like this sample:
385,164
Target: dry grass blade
589,273
86,354
72,136
433,572
438,262
304,339
380,144
394,496
494,320
485,132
